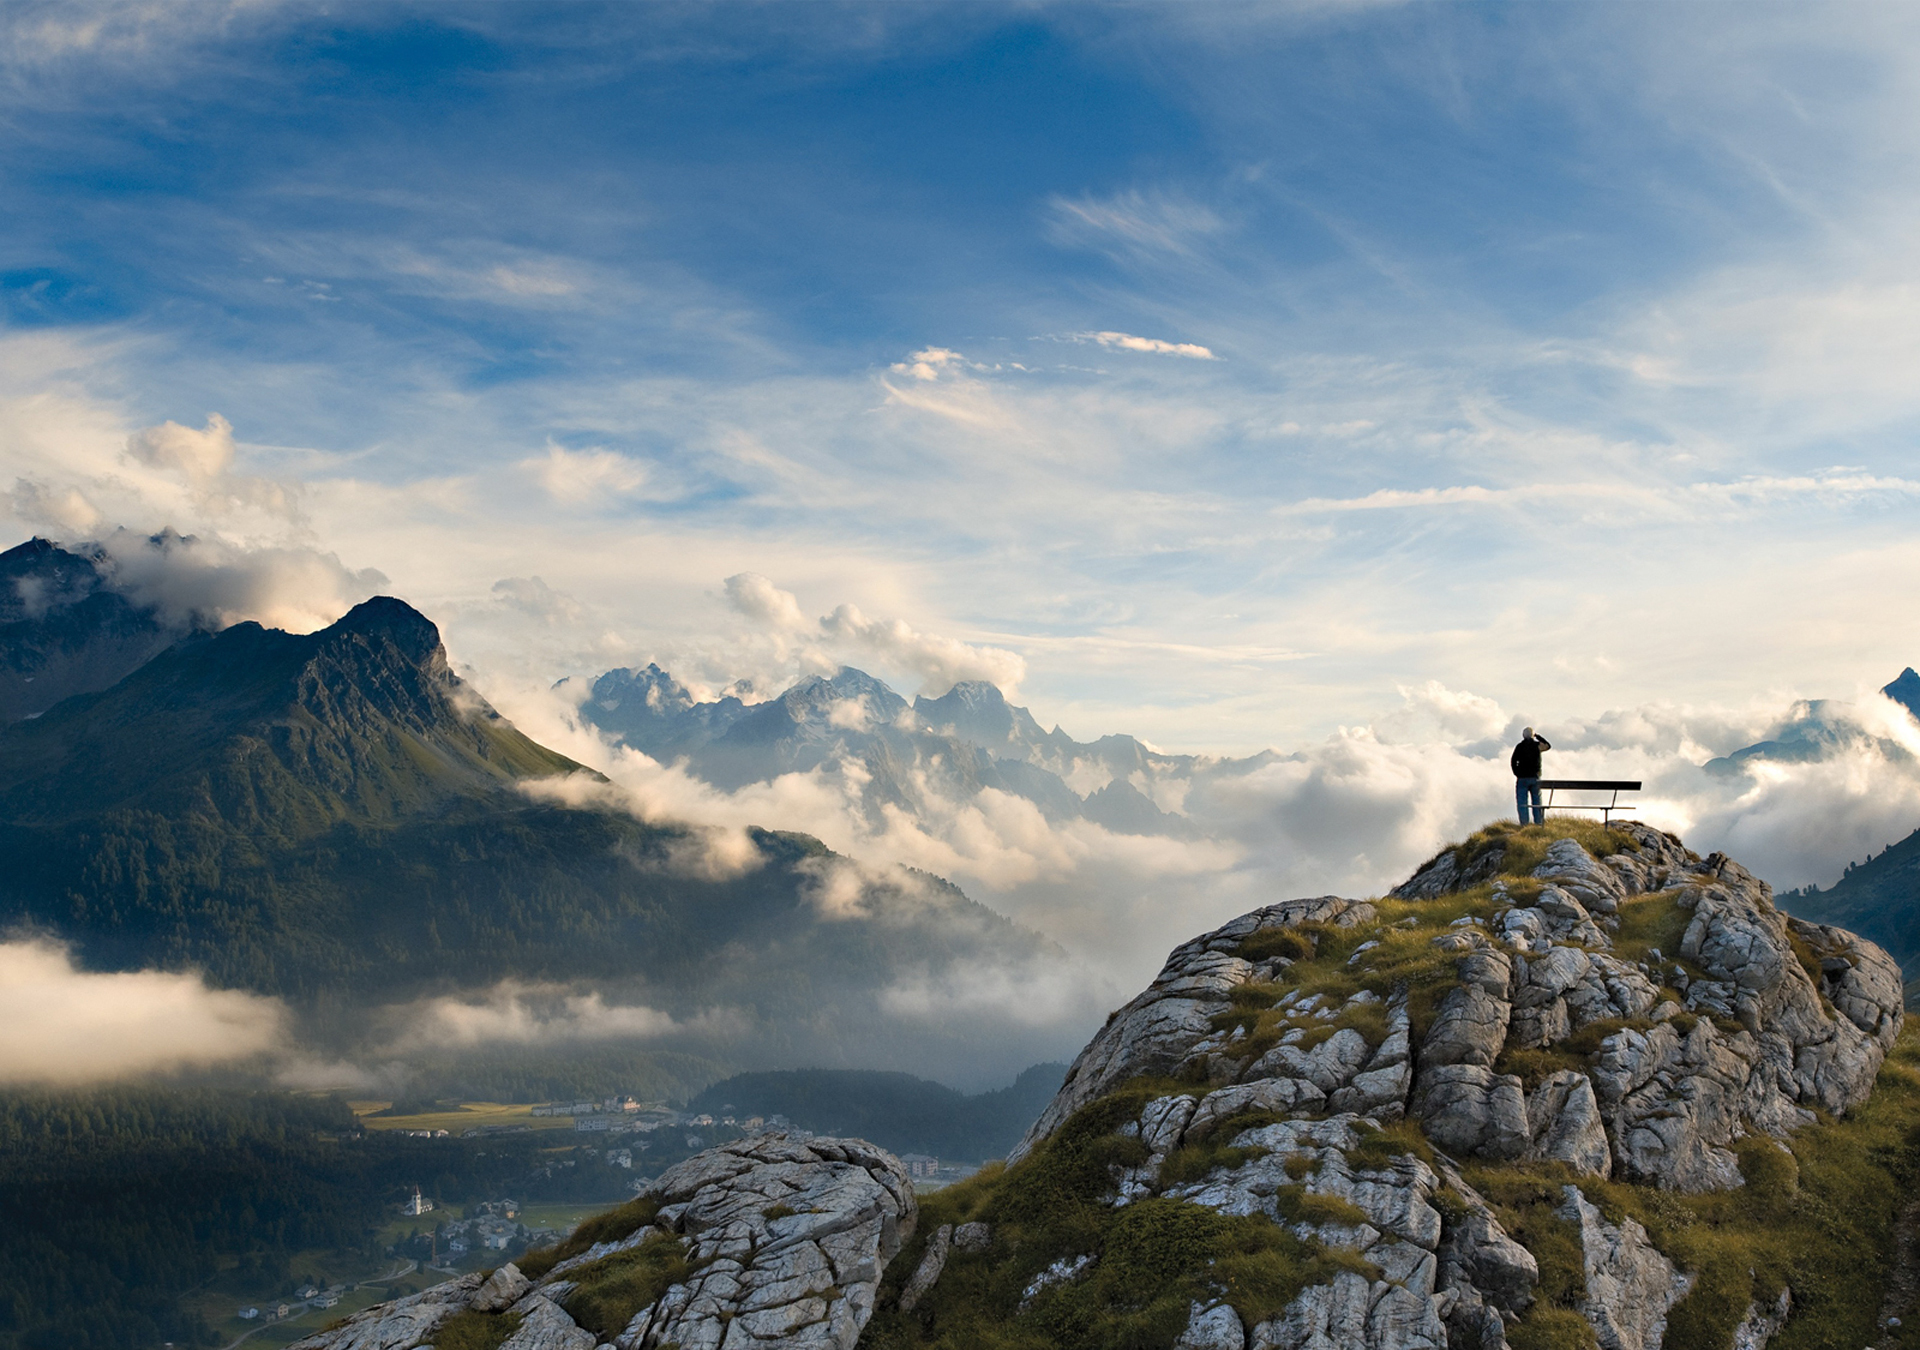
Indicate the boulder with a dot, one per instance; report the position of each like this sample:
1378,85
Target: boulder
1212,1328
1630,1285
1565,1124
401,1323
804,1278
1467,1108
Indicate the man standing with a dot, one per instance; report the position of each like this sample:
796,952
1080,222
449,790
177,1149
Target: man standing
1526,776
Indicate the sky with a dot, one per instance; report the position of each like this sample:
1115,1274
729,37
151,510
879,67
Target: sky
1359,380
1232,366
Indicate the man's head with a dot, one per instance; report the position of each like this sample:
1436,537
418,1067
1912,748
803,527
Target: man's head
1527,735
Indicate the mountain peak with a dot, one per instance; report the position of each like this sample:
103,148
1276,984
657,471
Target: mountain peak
1905,691
396,620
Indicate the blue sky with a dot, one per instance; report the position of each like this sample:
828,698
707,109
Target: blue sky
1231,366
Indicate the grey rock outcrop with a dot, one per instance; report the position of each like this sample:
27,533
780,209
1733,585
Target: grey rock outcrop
1212,1328
403,1323
1630,1285
787,1240
805,1278
1157,1031
1668,1104
1565,1125
927,1273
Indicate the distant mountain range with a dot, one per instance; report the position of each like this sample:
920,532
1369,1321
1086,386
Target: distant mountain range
951,748
1880,897
337,819
1814,733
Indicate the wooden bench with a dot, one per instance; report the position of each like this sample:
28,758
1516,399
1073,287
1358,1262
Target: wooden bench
1608,785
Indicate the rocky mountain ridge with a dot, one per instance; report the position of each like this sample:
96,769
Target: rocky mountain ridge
1562,1088
901,754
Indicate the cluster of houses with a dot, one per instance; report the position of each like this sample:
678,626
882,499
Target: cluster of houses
627,1115
310,1297
492,1227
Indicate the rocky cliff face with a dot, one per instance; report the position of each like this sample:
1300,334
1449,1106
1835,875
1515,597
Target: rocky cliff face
768,1242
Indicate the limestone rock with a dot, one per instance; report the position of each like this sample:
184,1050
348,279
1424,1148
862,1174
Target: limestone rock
803,1279
502,1289
1469,1028
1761,1325
1477,1255
1155,1033
928,1271
807,1278
402,1323
1467,1108
1630,1285
544,1326
972,1237
1443,875
1568,866
1564,1121
1214,1328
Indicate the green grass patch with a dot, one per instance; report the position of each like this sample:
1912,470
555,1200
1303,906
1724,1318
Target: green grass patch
1153,1257
615,1224
1551,1328
609,1292
1526,845
1378,1148
470,1330
1291,943
1526,1199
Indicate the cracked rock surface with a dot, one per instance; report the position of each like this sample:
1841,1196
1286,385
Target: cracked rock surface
787,1238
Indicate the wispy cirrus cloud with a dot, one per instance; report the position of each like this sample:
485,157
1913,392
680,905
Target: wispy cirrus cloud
1140,224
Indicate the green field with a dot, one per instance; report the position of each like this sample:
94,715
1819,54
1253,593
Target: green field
469,1116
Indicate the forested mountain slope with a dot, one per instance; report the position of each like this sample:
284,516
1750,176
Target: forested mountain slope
335,816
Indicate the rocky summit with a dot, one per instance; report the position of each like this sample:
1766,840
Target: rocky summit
1566,1088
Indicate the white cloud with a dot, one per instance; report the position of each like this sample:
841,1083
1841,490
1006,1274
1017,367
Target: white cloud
214,584
533,597
938,662
202,456
1128,342
517,1013
578,477
67,1025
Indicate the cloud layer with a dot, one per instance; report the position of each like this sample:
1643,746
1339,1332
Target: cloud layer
65,1025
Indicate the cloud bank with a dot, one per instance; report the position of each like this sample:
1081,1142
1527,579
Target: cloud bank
66,1026
847,635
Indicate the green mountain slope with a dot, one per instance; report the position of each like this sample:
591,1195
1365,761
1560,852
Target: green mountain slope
334,817
1878,898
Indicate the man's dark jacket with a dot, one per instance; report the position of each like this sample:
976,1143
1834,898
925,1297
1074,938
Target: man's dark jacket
1526,756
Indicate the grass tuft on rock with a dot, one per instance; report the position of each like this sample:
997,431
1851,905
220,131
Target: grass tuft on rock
609,1292
615,1224
470,1330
